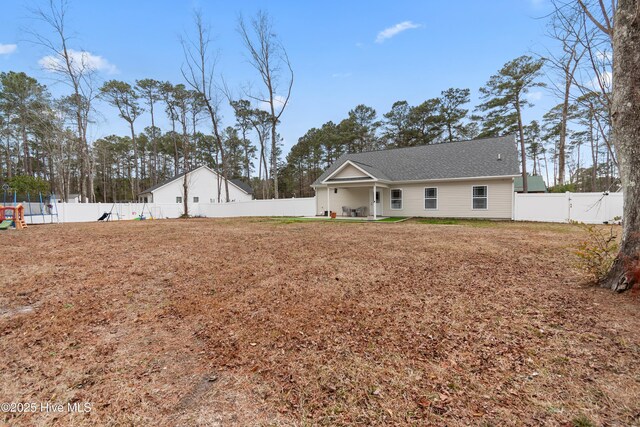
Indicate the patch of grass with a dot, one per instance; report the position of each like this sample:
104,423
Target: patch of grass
392,219
455,221
292,220
438,221
582,421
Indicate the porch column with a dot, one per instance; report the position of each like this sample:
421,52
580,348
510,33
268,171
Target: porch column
328,207
375,214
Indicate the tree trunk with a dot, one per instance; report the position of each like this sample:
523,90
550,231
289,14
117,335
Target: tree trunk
216,134
626,128
154,169
135,160
525,186
563,130
594,154
185,149
185,193
25,147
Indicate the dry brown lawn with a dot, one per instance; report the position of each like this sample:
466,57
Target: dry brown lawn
277,322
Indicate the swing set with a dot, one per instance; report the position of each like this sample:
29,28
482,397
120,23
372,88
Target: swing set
108,216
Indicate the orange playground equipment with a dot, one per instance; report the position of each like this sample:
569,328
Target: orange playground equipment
13,214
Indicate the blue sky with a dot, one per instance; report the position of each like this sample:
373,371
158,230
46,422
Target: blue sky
339,56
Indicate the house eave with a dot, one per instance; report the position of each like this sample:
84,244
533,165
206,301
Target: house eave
415,181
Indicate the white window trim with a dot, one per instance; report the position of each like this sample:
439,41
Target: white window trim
486,197
391,199
424,198
179,197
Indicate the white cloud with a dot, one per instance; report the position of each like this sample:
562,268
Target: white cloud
387,33
80,60
604,56
604,79
534,96
341,75
278,103
6,49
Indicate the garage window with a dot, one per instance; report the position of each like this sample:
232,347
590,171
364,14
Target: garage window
480,197
178,199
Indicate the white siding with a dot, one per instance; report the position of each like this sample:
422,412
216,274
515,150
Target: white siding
454,199
350,171
202,183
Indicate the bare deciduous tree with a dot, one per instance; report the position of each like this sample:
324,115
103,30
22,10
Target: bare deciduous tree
567,29
198,71
74,69
269,57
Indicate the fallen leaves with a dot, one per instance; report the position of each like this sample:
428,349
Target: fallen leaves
312,324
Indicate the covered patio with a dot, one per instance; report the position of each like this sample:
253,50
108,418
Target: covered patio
355,200
353,190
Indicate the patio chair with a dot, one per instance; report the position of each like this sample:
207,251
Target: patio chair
361,211
346,211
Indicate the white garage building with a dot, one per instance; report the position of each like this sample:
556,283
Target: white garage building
202,187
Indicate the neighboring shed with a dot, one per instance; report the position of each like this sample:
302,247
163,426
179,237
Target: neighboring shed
535,184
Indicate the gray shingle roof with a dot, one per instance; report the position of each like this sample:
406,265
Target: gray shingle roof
163,183
463,159
243,185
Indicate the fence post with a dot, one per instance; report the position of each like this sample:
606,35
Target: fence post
568,197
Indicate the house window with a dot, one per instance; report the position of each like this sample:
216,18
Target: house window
396,198
480,197
431,198
196,199
178,199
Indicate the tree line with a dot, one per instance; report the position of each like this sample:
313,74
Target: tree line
554,146
46,137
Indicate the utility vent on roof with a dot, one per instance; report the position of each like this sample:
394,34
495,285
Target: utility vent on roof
499,156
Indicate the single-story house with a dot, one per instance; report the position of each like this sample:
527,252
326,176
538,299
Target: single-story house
465,179
202,185
535,184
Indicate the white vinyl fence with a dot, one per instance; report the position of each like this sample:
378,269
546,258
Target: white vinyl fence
90,212
591,208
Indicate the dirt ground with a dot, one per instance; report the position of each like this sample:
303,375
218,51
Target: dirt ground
277,322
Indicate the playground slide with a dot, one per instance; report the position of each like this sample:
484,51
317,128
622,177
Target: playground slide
6,224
